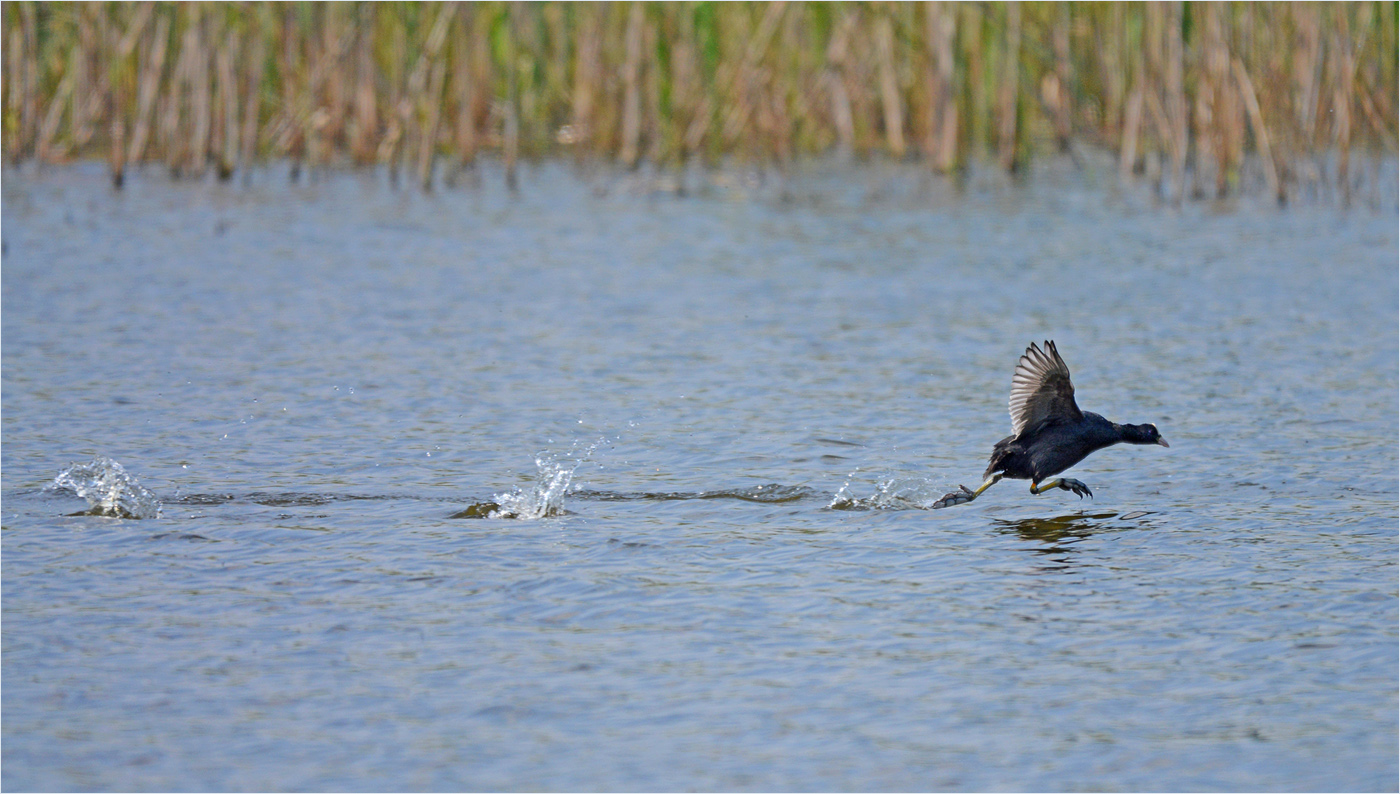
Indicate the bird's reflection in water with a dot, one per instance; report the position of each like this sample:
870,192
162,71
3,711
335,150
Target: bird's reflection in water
1058,535
1054,530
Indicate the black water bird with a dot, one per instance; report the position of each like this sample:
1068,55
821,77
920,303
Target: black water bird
1048,431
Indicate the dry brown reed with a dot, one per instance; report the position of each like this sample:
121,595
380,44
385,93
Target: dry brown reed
1181,91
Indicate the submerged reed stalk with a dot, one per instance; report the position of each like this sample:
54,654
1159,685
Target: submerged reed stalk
1181,91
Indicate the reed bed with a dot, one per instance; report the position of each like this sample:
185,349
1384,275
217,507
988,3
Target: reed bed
1180,91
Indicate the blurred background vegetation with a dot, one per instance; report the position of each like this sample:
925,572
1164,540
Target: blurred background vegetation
1178,91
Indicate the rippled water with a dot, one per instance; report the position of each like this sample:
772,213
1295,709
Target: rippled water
599,487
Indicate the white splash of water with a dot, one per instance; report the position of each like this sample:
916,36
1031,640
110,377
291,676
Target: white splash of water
900,493
108,489
545,498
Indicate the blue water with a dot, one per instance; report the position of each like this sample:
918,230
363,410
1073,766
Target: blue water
597,487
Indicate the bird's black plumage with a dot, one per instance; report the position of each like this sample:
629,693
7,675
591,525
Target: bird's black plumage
1048,431
1047,449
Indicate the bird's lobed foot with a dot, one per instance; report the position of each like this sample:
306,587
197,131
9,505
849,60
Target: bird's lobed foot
956,498
1075,486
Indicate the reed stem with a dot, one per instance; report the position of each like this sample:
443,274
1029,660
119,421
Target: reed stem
1180,90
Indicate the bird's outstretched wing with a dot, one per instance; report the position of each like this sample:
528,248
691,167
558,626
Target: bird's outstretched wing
1041,390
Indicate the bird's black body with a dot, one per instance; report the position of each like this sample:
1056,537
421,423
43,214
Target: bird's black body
1049,432
1049,449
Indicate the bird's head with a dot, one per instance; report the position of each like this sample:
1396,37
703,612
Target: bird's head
1143,434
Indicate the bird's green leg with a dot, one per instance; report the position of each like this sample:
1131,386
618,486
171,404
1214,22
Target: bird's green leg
965,495
1074,486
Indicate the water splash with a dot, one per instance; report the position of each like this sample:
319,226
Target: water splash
900,493
545,498
108,489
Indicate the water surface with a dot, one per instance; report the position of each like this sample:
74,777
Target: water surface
703,432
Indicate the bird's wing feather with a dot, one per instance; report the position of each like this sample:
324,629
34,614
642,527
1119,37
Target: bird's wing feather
1041,390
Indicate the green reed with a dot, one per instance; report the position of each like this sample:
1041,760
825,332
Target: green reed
1180,91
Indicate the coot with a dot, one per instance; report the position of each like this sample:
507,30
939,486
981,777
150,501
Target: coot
1048,431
